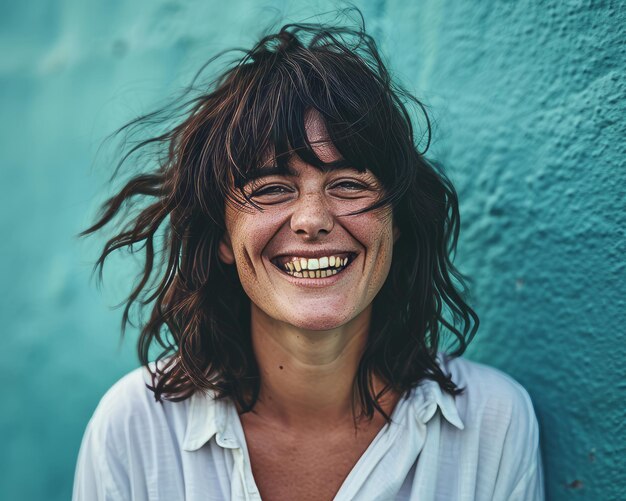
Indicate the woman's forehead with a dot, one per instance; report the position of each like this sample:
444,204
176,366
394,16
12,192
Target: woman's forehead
317,136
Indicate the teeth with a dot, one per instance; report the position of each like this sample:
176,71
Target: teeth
315,267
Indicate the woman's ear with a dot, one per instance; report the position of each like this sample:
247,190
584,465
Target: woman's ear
225,250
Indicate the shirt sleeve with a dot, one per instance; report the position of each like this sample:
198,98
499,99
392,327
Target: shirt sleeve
100,472
531,485
521,477
106,470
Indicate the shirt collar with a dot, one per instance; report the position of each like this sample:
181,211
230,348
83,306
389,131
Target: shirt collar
428,397
210,418
207,418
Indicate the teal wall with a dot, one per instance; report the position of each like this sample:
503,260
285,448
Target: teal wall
529,110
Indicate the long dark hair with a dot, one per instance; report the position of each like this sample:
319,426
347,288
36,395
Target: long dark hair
199,314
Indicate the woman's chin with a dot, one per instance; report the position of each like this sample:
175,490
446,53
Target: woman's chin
318,322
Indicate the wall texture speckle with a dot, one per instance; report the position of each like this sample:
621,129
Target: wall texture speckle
528,103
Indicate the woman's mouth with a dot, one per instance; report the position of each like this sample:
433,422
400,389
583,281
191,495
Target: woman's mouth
318,267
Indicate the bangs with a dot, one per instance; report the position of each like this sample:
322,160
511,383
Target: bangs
273,86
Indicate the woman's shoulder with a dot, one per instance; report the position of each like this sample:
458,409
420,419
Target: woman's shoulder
493,403
482,380
486,386
132,384
129,408
128,395
130,431
500,429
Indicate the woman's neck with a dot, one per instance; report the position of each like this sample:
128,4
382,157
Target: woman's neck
307,377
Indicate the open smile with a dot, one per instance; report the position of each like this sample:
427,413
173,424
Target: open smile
314,267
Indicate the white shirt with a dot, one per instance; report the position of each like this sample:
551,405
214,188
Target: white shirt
481,445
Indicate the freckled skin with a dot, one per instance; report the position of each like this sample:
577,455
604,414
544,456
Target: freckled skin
313,217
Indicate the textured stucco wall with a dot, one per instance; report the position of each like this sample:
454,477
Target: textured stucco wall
529,103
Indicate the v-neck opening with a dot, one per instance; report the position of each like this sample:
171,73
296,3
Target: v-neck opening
393,425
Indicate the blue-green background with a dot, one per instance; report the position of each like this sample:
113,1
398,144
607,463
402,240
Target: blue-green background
528,101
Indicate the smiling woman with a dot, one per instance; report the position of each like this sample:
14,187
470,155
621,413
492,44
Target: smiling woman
304,291
309,218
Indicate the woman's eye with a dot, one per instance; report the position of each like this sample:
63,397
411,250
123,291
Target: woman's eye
349,185
270,190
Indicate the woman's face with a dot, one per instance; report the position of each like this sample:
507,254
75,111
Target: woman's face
301,260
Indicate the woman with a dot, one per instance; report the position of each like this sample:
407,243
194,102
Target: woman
305,280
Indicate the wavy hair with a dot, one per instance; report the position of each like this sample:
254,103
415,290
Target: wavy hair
199,318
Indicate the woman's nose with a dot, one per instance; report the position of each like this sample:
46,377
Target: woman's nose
311,218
